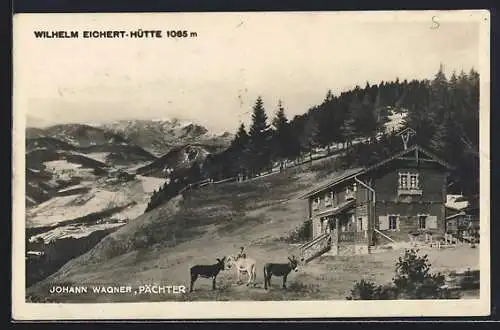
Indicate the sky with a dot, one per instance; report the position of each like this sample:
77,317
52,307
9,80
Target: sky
214,79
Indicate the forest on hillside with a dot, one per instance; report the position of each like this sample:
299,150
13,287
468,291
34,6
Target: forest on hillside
444,111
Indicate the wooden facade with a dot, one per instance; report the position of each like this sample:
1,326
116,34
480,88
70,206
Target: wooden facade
463,221
400,196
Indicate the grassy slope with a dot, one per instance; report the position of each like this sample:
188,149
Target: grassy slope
210,223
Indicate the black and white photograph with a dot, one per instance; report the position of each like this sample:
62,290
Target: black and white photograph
265,164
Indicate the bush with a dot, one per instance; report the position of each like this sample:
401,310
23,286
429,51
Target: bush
413,280
300,234
366,290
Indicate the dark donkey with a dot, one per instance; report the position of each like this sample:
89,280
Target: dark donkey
206,271
279,270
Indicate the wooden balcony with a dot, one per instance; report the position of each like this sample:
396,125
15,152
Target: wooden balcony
409,191
350,195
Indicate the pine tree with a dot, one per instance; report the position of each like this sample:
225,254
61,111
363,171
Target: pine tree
309,138
258,150
241,138
365,120
347,128
280,121
281,135
353,124
329,96
238,147
438,93
439,141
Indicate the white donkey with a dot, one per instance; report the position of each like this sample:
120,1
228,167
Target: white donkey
243,265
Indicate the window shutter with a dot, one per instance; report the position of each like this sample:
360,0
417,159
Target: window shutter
398,220
431,222
383,222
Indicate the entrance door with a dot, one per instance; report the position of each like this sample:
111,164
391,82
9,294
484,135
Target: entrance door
346,223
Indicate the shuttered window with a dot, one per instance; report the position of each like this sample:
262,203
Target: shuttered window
422,221
393,222
361,224
389,222
383,222
426,221
432,222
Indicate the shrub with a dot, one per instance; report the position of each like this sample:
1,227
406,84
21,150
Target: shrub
413,280
300,234
364,290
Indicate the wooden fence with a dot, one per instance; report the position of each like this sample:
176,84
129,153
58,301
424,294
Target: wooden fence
304,160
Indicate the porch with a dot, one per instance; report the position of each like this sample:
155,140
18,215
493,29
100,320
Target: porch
341,234
349,242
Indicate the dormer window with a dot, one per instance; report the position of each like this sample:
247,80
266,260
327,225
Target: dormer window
414,181
409,184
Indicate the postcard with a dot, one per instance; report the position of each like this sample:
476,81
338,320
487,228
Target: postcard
251,165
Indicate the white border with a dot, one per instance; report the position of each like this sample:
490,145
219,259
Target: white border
262,309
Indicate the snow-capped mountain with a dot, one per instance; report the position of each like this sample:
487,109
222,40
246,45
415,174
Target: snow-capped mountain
159,136
61,156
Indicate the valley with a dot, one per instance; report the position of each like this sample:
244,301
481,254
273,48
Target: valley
82,183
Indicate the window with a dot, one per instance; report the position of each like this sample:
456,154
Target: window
316,202
413,181
422,221
409,184
360,224
349,191
393,222
329,199
403,181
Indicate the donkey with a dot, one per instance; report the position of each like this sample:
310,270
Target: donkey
243,265
271,269
206,271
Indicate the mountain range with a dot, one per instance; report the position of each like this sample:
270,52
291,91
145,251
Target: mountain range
67,160
162,135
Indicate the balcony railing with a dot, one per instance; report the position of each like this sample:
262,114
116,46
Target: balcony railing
409,191
350,195
351,237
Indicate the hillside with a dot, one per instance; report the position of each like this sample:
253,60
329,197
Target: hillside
179,158
188,229
128,197
160,136
214,221
60,156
